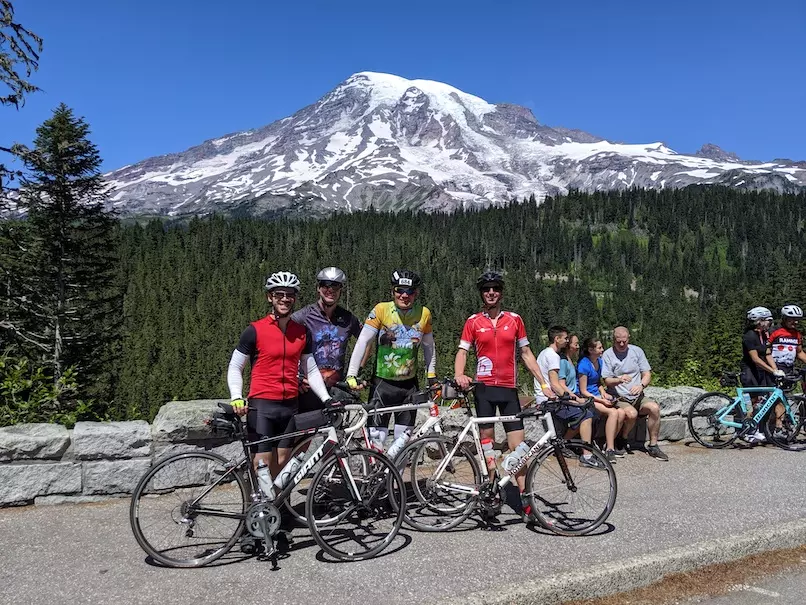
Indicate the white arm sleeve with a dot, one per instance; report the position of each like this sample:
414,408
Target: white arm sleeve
315,379
430,354
366,336
235,374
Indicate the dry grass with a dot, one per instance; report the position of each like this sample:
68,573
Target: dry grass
707,581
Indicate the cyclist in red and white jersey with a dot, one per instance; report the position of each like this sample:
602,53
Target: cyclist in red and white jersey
497,336
786,343
276,346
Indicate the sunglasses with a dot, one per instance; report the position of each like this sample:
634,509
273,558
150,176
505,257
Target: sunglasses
492,289
284,295
409,291
334,285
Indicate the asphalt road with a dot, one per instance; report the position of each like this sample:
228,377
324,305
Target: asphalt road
86,553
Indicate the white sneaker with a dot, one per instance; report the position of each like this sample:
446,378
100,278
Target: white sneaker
757,437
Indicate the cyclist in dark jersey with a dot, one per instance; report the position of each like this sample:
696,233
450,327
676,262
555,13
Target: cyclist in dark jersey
497,336
758,366
330,327
275,346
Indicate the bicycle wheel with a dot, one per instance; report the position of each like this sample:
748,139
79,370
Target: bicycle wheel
438,504
188,510
704,425
353,528
785,427
574,504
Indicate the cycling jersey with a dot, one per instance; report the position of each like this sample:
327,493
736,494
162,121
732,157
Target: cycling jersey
330,337
399,336
274,356
784,345
496,346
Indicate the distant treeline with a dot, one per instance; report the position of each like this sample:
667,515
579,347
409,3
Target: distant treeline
679,267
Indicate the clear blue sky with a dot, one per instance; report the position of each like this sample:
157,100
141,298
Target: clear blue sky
157,77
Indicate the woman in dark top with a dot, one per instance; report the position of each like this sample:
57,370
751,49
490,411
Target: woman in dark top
758,366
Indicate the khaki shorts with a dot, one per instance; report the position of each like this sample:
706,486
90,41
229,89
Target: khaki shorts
623,402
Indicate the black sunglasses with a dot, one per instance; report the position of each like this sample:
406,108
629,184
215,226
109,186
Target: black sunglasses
493,288
330,284
408,291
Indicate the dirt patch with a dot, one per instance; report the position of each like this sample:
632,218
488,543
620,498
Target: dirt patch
707,581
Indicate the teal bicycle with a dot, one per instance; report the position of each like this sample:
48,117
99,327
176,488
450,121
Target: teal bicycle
716,420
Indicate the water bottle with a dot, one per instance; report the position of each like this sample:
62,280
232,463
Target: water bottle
291,467
375,439
748,404
264,480
514,458
489,453
434,410
395,448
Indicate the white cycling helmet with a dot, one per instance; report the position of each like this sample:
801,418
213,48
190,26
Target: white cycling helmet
282,279
332,274
759,313
792,311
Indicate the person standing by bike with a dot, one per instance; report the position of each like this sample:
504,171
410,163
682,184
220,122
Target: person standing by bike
401,326
330,327
276,346
786,343
758,365
497,336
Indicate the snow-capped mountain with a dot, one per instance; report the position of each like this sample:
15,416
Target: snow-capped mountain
394,143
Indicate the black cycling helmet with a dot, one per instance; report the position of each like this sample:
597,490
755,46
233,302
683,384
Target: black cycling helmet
404,277
490,277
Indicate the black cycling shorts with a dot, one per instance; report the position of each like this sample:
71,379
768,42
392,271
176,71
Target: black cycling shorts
504,400
391,393
308,402
756,377
268,418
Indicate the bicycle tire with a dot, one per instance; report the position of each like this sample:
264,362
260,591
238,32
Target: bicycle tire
427,509
381,478
175,482
793,435
560,509
703,425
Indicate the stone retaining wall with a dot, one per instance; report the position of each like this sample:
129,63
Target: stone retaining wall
47,464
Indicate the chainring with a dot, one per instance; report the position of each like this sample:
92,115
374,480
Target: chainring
258,511
489,498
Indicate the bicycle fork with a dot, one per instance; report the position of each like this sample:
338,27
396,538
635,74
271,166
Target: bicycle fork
561,460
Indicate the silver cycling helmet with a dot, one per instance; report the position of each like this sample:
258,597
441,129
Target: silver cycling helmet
793,311
759,313
282,279
331,274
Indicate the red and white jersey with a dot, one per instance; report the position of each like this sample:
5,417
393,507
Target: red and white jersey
496,346
784,346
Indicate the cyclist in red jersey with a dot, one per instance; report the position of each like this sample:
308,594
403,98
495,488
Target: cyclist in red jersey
786,343
276,346
497,336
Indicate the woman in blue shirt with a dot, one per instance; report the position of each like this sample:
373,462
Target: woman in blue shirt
589,375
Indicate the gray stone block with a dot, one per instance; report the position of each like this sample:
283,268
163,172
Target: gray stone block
113,476
33,441
689,395
673,429
163,449
670,401
184,420
103,440
21,483
60,499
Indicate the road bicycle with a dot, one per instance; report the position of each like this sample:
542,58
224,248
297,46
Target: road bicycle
426,398
191,508
716,420
566,497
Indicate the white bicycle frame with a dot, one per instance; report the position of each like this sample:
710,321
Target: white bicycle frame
472,426
432,424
